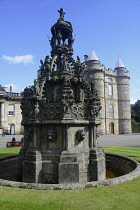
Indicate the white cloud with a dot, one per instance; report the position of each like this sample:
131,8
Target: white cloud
133,100
19,59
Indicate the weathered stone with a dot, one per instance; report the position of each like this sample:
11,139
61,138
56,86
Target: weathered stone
60,117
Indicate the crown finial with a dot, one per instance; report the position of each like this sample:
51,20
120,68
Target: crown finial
61,11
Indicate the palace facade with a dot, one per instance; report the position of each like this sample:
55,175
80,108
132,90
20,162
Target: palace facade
114,92
10,112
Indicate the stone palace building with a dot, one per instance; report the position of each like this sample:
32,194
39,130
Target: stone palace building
114,92
10,112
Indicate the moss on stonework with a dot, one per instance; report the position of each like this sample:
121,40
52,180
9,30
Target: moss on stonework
8,185
22,186
57,188
88,186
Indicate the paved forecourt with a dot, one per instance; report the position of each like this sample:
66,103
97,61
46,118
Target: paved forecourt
131,140
8,138
118,140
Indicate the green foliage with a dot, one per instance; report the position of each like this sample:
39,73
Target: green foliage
135,116
135,111
135,126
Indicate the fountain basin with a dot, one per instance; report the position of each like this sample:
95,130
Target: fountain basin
127,168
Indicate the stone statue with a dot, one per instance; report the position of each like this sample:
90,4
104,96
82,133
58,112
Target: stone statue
36,88
36,110
51,138
64,62
42,65
59,37
47,64
70,41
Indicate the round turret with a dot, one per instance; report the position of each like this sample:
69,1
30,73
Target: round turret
123,89
120,66
93,60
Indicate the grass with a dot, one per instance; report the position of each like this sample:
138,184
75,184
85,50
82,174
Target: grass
122,196
126,151
9,151
135,133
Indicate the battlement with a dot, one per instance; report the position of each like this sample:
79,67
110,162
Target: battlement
91,66
111,72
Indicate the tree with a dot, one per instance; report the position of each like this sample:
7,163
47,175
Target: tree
135,111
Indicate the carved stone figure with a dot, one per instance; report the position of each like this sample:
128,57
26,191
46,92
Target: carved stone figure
36,110
64,62
70,41
36,88
42,65
51,138
79,136
59,37
47,64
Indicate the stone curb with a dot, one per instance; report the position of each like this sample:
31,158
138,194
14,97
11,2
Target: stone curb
74,186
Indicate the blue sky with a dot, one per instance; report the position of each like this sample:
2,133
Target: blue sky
111,26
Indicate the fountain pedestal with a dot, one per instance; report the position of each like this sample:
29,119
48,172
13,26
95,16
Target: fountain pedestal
60,118
97,166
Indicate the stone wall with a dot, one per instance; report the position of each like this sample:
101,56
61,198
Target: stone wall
14,119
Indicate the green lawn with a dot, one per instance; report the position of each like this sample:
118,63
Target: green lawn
9,151
122,196
132,152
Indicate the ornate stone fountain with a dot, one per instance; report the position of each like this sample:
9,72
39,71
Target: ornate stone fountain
60,118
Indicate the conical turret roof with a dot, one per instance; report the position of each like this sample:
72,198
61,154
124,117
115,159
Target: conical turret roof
119,63
93,56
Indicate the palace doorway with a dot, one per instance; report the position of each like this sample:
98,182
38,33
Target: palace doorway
111,128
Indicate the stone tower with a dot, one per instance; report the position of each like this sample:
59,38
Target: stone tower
60,118
95,73
114,94
123,90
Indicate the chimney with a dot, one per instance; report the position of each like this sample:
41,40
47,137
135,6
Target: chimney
86,57
10,88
